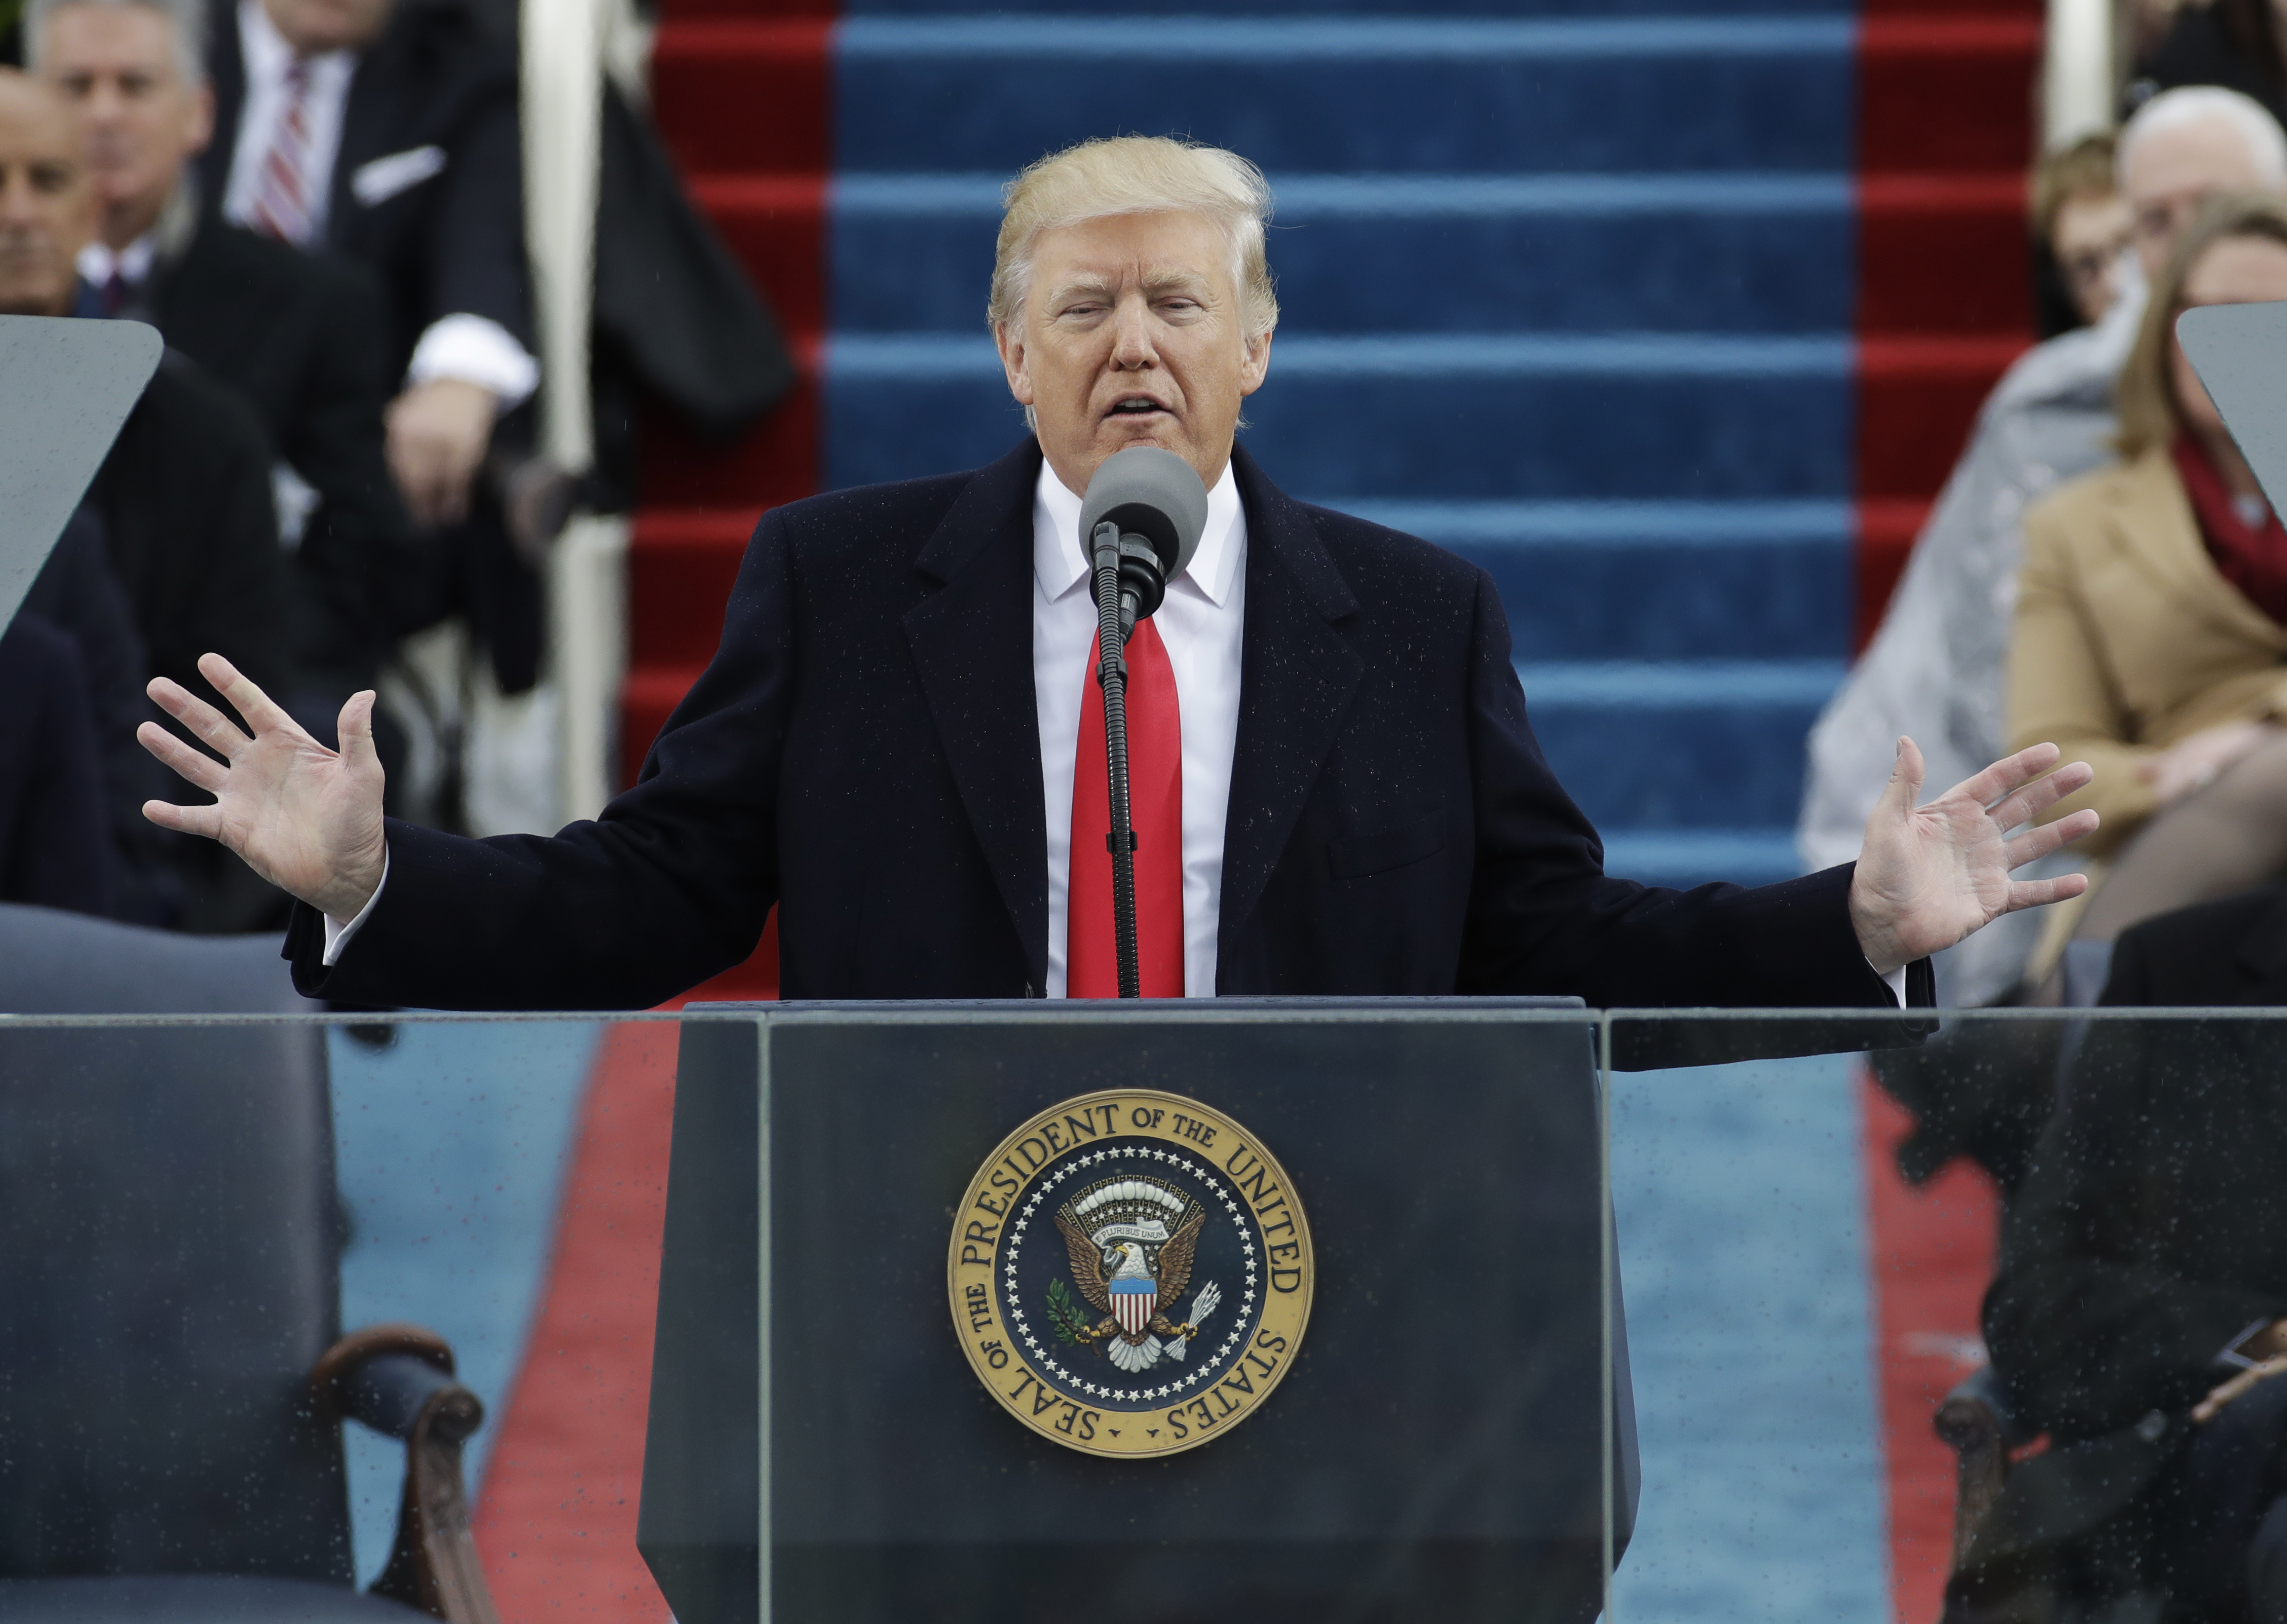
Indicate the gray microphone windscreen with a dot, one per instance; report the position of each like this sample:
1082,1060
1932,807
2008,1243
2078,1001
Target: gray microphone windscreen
1153,493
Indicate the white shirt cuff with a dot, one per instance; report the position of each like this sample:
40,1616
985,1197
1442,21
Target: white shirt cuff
475,349
1896,981
338,934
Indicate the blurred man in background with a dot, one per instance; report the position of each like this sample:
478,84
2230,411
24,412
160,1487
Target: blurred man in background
299,337
387,133
183,501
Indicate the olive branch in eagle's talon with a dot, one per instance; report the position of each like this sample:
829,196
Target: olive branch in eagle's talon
1071,1325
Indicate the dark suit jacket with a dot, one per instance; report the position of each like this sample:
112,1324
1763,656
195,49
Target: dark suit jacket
2150,1231
184,501
55,847
864,753
76,593
448,244
2232,46
302,338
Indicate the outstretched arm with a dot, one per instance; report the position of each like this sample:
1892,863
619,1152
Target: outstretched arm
306,818
669,885
1929,876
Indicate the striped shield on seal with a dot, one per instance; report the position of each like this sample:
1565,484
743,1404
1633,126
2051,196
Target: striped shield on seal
1132,1302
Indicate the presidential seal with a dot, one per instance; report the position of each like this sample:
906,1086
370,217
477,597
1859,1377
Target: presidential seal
1130,1273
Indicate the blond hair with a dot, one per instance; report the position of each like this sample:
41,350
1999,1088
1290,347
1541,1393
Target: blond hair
1119,175
2146,394
2083,169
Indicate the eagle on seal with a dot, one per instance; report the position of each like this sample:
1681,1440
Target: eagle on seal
1131,1242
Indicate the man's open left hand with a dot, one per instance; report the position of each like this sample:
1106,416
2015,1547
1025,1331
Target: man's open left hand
1930,875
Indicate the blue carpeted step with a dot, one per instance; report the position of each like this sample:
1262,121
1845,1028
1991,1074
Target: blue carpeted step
1684,858
1377,254
987,94
1681,746
1495,415
1653,580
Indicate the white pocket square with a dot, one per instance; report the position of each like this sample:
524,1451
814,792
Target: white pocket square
375,183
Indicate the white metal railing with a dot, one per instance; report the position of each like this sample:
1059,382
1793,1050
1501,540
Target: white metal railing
564,46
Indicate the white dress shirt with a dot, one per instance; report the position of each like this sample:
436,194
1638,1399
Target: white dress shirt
99,263
267,57
472,348
1200,623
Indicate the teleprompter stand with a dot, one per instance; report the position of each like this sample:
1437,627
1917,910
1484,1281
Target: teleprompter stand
820,1447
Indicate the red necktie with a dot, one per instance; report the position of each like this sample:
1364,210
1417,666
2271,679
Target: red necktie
1155,796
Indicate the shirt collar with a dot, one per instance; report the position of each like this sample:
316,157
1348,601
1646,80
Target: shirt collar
268,55
99,263
1059,565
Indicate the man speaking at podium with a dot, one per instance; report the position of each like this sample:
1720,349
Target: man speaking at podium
900,742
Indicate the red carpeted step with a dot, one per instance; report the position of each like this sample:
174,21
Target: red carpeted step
1944,254
1886,529
743,93
776,224
680,567
1951,92
1917,396
775,460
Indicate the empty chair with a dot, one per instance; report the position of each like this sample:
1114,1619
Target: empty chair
173,1377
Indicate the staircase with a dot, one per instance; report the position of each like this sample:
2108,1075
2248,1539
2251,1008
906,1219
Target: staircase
1669,313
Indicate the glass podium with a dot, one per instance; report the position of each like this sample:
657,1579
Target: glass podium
931,1375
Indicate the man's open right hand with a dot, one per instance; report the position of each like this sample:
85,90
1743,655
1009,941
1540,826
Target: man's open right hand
306,818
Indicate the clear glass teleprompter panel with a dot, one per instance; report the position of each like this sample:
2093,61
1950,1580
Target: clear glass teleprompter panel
196,1217
1034,1319
1942,1311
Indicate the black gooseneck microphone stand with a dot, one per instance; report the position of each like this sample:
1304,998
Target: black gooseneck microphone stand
1115,617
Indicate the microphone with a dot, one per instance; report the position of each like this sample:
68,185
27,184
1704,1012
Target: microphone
1141,516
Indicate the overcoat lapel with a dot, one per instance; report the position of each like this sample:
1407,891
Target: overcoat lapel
1296,674
972,643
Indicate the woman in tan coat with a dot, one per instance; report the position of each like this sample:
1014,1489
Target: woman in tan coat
2151,622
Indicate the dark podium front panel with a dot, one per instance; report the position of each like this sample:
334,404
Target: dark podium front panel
1434,1451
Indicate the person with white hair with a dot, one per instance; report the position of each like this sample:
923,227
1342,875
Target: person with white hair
900,743
1935,668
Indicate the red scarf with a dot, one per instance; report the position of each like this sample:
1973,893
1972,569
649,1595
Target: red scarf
2252,558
